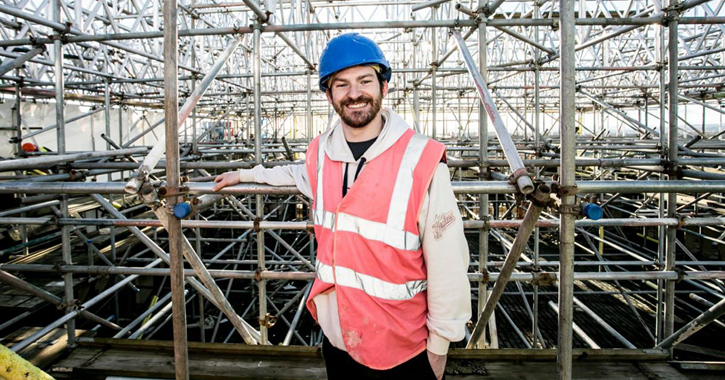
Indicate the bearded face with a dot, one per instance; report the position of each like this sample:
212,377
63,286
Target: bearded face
358,112
356,95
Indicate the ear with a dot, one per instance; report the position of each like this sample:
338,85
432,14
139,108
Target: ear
385,88
328,93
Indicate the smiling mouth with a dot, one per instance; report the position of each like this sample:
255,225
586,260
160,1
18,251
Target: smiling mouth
355,106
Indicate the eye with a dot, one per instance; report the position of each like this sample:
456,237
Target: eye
340,85
366,81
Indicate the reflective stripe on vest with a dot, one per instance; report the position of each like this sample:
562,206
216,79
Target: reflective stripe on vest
396,238
372,286
404,182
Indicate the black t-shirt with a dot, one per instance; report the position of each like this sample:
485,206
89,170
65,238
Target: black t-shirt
359,148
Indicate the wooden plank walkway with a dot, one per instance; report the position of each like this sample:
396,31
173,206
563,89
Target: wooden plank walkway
45,350
96,359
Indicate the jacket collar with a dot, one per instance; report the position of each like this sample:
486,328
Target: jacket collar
393,128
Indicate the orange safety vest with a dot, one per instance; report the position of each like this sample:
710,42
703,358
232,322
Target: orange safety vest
369,249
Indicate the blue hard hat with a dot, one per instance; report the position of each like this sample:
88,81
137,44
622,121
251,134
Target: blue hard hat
348,50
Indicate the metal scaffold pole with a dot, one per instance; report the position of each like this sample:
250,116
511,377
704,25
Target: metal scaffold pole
483,212
661,212
69,299
567,173
434,75
537,174
257,71
171,115
672,148
308,111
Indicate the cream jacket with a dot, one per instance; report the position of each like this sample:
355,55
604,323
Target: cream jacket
445,248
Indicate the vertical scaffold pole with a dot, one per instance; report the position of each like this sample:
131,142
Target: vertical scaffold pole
107,113
309,105
537,143
567,173
171,114
194,143
673,17
433,75
661,247
257,71
17,119
482,157
60,122
107,121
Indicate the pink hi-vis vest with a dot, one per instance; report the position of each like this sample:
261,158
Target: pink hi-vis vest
369,248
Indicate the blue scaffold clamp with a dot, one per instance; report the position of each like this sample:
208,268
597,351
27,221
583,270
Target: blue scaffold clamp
592,211
182,210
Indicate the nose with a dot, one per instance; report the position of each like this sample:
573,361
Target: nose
354,92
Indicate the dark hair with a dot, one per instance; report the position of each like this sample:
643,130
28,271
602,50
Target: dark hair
378,74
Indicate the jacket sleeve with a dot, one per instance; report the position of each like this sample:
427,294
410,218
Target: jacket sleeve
285,175
445,250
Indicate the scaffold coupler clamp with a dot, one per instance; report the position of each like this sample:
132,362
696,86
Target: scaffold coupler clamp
484,172
486,223
574,209
74,304
258,23
542,278
541,196
518,173
563,191
150,196
675,7
680,221
670,168
555,25
671,13
258,274
514,178
485,276
74,175
681,274
268,321
167,192
56,268
35,44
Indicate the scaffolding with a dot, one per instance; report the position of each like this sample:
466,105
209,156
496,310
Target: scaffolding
545,108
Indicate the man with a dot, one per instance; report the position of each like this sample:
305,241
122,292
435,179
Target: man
391,291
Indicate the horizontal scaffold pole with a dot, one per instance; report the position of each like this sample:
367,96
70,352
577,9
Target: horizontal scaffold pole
465,187
272,225
537,277
634,21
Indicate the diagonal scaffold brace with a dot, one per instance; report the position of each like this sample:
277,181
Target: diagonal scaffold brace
539,194
195,283
134,185
540,198
247,332
518,170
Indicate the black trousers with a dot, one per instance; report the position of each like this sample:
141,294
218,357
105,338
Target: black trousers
340,366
